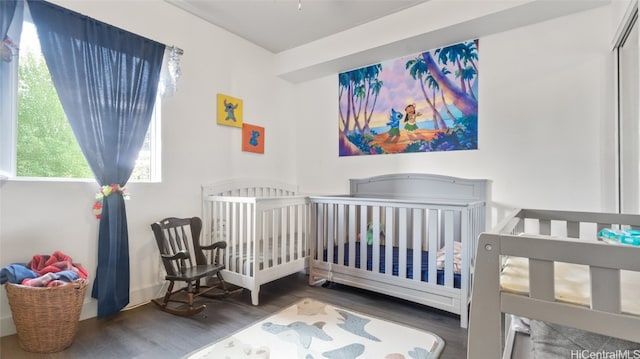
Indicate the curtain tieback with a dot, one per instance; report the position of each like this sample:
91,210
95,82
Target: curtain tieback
105,191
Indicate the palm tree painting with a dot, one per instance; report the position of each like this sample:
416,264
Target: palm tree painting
419,103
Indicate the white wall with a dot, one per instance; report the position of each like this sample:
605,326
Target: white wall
545,121
40,217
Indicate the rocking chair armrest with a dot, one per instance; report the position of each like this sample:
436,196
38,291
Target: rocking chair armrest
183,254
216,245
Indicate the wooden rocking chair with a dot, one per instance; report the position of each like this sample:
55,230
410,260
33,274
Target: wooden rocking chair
187,263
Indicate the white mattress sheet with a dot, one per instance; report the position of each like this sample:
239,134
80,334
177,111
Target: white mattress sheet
571,283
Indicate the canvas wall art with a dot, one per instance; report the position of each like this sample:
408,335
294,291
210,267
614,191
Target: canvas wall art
229,110
419,103
252,138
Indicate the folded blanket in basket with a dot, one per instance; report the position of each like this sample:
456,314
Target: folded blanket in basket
16,273
54,263
52,279
43,270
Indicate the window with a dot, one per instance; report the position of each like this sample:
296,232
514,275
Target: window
36,139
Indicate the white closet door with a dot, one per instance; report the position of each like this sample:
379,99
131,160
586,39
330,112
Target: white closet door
630,123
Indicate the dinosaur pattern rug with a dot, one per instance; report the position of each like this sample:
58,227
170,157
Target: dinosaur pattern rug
311,329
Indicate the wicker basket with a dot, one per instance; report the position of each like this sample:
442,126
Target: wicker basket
46,319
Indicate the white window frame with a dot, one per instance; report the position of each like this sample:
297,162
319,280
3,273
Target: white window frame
8,111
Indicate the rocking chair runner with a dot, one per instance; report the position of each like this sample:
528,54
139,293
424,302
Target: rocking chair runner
185,264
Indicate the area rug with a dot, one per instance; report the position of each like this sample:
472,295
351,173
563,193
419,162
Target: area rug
313,329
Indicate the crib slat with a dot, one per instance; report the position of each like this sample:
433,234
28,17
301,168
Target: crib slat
573,229
231,239
432,230
363,237
289,239
466,224
541,280
272,240
388,241
341,234
330,234
320,241
304,230
269,239
230,249
307,229
375,228
242,240
545,227
448,248
352,236
219,229
402,246
276,238
234,235
285,231
417,244
312,235
251,236
264,234
209,234
280,240
296,236
605,295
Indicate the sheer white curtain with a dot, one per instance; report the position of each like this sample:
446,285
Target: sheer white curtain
170,71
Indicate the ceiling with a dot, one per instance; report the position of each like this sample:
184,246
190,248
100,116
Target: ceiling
278,25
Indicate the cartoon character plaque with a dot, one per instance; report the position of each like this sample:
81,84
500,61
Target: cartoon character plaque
252,138
229,110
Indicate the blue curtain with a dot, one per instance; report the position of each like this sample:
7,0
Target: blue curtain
107,80
7,9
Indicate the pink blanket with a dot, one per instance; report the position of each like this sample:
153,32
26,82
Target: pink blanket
46,265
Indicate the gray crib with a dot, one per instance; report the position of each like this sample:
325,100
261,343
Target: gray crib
549,266
411,236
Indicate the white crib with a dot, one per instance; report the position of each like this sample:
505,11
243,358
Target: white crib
265,225
413,223
549,266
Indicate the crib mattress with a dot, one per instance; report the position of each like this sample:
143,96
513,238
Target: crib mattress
571,283
424,265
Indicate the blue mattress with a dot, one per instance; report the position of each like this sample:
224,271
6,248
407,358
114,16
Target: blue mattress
424,268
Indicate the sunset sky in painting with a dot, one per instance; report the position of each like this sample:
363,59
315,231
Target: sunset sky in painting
398,91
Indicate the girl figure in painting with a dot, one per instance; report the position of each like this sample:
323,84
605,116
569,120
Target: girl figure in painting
410,119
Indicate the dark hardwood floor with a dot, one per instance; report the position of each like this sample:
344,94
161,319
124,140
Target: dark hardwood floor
147,332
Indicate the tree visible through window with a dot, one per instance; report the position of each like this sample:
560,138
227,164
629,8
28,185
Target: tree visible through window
46,146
